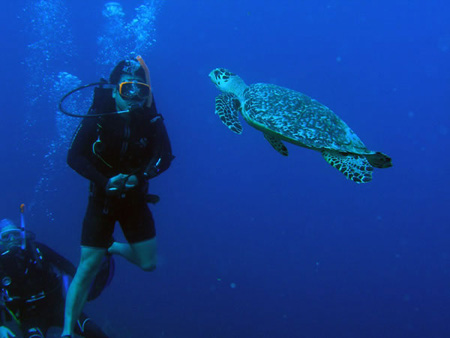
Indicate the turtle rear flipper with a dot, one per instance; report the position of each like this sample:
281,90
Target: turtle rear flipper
276,143
354,167
379,160
227,107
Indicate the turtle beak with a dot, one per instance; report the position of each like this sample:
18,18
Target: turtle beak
212,76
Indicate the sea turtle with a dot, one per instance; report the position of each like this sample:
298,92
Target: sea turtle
283,114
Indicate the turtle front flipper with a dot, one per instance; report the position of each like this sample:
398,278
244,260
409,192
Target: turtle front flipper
276,143
227,107
354,167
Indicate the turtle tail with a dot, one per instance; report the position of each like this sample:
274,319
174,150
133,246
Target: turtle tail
379,160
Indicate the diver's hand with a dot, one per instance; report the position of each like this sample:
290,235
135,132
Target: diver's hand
120,184
116,185
5,332
131,182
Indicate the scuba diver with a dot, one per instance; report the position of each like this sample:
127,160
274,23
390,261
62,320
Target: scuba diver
34,281
119,146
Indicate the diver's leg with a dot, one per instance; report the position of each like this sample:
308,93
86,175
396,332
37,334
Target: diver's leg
143,254
90,262
138,227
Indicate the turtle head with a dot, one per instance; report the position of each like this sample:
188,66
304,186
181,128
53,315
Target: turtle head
227,81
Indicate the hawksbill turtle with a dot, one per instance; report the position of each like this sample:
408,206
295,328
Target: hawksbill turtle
282,114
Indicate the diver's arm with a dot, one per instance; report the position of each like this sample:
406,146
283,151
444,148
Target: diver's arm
80,152
163,151
54,258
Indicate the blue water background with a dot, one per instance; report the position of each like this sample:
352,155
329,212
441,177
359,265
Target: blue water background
252,244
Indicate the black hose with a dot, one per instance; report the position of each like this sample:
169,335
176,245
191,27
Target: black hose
64,111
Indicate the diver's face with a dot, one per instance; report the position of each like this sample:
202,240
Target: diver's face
124,102
10,238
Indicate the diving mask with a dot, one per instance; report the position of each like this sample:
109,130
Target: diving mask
10,238
132,90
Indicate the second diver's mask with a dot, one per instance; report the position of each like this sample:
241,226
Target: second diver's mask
133,90
10,236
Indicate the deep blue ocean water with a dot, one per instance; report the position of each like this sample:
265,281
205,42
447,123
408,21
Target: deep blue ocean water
252,244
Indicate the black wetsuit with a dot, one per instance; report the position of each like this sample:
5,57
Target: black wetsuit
134,144
33,291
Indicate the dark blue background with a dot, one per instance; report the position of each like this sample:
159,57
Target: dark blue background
311,253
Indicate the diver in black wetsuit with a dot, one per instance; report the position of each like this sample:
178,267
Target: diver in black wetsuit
122,145
33,281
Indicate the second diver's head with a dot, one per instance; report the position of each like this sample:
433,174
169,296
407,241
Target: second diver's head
10,235
131,89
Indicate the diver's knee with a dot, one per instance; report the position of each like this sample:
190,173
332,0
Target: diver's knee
148,266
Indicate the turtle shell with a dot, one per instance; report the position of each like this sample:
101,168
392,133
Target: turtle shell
298,119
